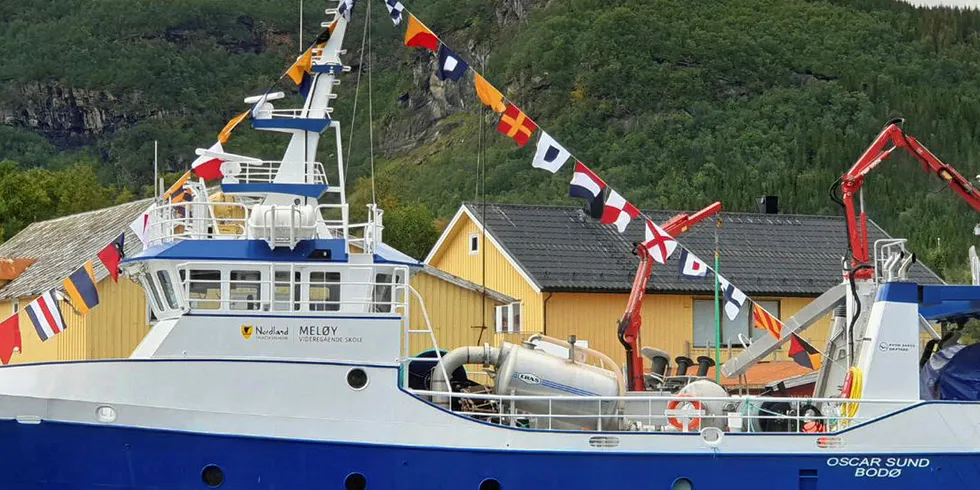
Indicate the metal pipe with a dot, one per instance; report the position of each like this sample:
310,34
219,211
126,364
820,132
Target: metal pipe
439,382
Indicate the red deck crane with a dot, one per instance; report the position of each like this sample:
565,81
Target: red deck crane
631,322
890,139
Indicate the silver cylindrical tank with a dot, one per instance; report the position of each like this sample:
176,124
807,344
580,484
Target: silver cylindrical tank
526,371
714,410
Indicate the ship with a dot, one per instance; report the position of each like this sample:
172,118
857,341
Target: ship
280,360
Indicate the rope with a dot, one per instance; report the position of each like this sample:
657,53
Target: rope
357,91
374,197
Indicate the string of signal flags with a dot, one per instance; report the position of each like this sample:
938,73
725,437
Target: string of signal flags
603,202
78,291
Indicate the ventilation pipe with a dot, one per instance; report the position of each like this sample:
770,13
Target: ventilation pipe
683,363
456,358
704,363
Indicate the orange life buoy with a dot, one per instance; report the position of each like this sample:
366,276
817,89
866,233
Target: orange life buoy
694,423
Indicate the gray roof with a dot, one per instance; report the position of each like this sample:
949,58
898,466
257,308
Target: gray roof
463,283
562,249
62,245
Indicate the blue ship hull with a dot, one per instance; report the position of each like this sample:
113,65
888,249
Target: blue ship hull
60,456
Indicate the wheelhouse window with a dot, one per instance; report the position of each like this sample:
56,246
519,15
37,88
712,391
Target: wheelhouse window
508,318
204,289
704,324
382,293
245,290
147,282
324,291
167,286
283,299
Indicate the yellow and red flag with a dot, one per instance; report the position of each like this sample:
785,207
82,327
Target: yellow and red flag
765,321
515,124
419,36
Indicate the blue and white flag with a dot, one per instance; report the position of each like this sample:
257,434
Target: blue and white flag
550,155
734,298
451,66
587,185
395,9
691,266
345,7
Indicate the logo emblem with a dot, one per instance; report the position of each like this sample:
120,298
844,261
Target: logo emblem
529,378
247,331
883,346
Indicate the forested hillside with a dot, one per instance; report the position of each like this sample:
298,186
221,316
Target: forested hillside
675,103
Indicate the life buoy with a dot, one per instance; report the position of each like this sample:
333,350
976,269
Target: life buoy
853,386
812,419
694,423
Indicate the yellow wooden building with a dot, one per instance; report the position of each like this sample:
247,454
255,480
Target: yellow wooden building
572,275
38,258
54,249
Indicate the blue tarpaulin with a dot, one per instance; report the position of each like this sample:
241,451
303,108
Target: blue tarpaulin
960,378
930,373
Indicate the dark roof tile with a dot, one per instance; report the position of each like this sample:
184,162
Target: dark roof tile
562,249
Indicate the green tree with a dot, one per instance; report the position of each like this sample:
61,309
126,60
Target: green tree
411,229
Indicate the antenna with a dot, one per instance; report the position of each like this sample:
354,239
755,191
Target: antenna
300,26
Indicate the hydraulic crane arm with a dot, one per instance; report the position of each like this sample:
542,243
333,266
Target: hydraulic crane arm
890,139
630,323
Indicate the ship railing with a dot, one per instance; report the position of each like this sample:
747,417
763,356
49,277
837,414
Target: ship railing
286,113
362,237
267,170
891,260
274,288
651,413
336,227
197,220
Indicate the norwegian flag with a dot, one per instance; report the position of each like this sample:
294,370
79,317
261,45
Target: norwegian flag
587,185
691,266
659,243
618,211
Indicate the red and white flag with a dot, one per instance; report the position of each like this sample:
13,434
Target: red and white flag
141,225
45,314
659,243
208,166
10,338
618,211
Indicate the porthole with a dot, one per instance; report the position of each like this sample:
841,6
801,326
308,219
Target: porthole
355,481
682,484
490,484
357,379
212,476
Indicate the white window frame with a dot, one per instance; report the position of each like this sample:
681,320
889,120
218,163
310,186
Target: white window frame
506,312
474,239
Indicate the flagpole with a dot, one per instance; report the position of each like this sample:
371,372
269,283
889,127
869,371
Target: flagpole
717,305
156,171
301,26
